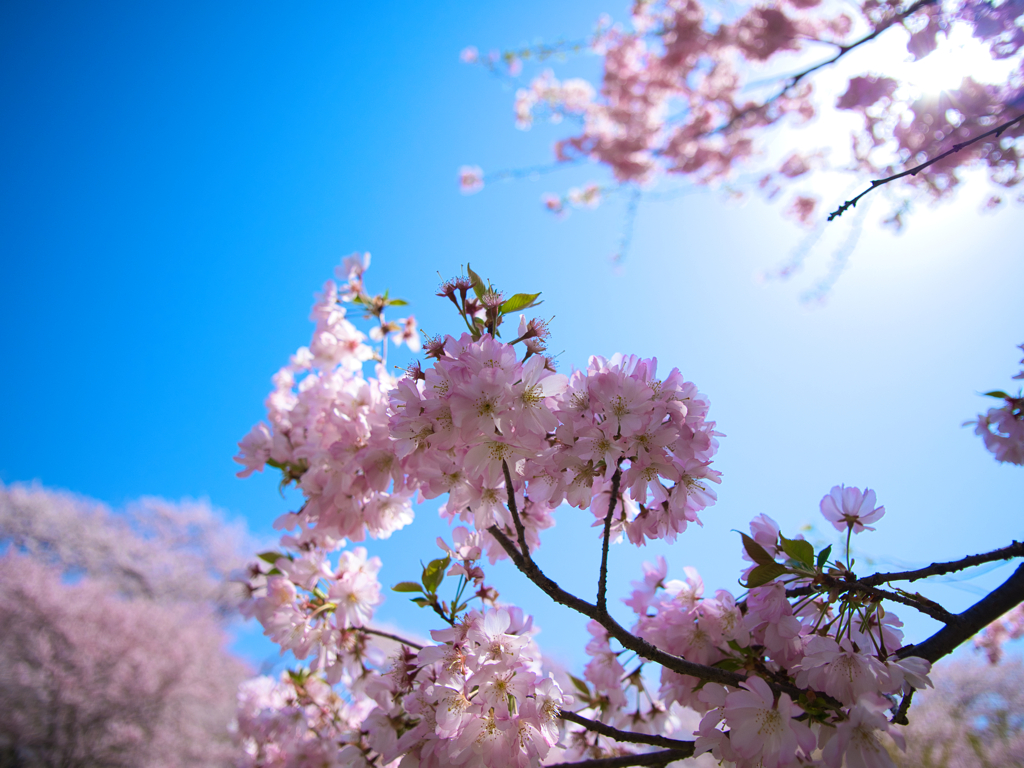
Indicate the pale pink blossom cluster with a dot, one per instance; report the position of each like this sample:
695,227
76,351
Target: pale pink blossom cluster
311,607
1002,429
683,93
329,425
559,97
847,655
480,410
298,721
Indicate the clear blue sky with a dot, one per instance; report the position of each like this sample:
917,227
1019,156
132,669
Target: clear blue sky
178,179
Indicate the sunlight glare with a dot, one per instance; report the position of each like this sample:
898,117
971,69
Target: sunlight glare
957,56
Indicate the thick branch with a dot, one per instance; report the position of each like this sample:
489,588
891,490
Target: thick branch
602,581
970,622
917,169
647,758
626,736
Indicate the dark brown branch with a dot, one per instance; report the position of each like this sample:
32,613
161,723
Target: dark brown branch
626,736
648,758
638,645
917,169
602,581
970,622
389,636
900,718
936,611
1012,550
511,491
794,80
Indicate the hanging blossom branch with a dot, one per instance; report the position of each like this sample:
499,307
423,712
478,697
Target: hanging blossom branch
997,131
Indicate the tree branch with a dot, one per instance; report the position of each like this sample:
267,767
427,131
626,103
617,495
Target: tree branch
646,758
520,529
917,169
1012,550
602,581
626,736
971,621
641,647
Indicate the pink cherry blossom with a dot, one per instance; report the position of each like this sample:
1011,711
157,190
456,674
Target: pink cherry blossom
851,508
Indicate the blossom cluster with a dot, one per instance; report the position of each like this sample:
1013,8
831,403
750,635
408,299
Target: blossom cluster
612,436
329,425
1002,429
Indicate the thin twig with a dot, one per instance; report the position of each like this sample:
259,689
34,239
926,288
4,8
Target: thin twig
917,169
647,758
918,603
389,636
602,581
1008,595
630,737
1012,550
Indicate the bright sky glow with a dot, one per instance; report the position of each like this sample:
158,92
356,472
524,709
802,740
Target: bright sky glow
957,56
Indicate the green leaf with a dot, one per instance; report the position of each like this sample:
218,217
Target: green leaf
763,574
270,557
998,393
823,555
799,549
757,553
397,303
407,586
580,685
433,574
520,301
478,285
422,602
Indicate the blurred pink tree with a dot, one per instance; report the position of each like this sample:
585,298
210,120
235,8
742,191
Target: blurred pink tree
112,632
973,717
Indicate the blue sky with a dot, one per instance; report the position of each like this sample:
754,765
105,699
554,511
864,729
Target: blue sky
177,180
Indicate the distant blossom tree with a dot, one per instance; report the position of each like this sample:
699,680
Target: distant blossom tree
112,633
809,667
974,716
709,93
